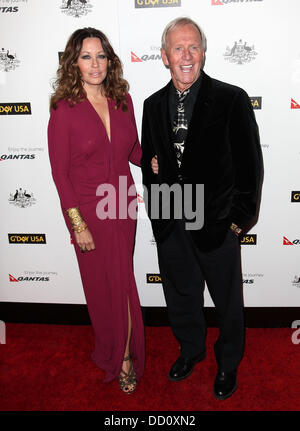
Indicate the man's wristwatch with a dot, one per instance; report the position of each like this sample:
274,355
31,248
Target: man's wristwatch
237,230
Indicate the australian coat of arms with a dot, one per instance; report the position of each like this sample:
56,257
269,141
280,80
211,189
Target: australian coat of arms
8,61
76,8
21,198
240,53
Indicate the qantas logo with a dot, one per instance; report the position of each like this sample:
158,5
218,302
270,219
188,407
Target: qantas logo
144,57
14,279
17,156
9,9
135,58
222,2
248,281
294,104
286,241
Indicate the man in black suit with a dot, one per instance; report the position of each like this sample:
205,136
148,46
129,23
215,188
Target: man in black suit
217,146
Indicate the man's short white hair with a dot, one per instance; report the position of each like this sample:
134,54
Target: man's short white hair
180,22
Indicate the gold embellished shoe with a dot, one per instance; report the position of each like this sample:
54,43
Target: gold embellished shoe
127,381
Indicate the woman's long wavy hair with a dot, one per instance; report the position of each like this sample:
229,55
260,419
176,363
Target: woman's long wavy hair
69,85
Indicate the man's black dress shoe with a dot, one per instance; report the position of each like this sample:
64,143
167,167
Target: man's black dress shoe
225,384
183,367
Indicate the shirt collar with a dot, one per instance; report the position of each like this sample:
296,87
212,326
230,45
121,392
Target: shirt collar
193,88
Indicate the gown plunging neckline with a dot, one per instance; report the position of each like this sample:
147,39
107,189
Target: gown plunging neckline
99,117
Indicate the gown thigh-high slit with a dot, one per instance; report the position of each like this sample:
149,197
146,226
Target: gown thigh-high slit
82,159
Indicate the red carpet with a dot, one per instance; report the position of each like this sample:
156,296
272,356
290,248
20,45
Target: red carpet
48,368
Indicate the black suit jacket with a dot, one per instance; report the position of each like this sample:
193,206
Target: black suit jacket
222,151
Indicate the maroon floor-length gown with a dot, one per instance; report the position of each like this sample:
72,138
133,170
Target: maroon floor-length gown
82,158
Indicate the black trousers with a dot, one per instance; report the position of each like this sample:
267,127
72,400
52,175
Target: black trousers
184,270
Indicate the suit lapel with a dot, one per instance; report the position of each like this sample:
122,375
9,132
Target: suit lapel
164,124
202,108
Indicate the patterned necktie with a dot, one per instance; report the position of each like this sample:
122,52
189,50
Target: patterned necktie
180,126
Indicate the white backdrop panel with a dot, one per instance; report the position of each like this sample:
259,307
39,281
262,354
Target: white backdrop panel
37,31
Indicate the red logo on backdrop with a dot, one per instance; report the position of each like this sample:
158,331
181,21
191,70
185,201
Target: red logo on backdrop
294,104
217,3
12,278
135,58
140,199
287,241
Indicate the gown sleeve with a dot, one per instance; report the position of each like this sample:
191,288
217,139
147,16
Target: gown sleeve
60,155
136,152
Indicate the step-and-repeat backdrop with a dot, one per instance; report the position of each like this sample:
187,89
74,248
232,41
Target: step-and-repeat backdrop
251,43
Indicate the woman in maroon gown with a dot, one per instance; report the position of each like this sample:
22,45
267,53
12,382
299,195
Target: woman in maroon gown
92,136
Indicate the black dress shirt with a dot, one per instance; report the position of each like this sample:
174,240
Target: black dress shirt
189,101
